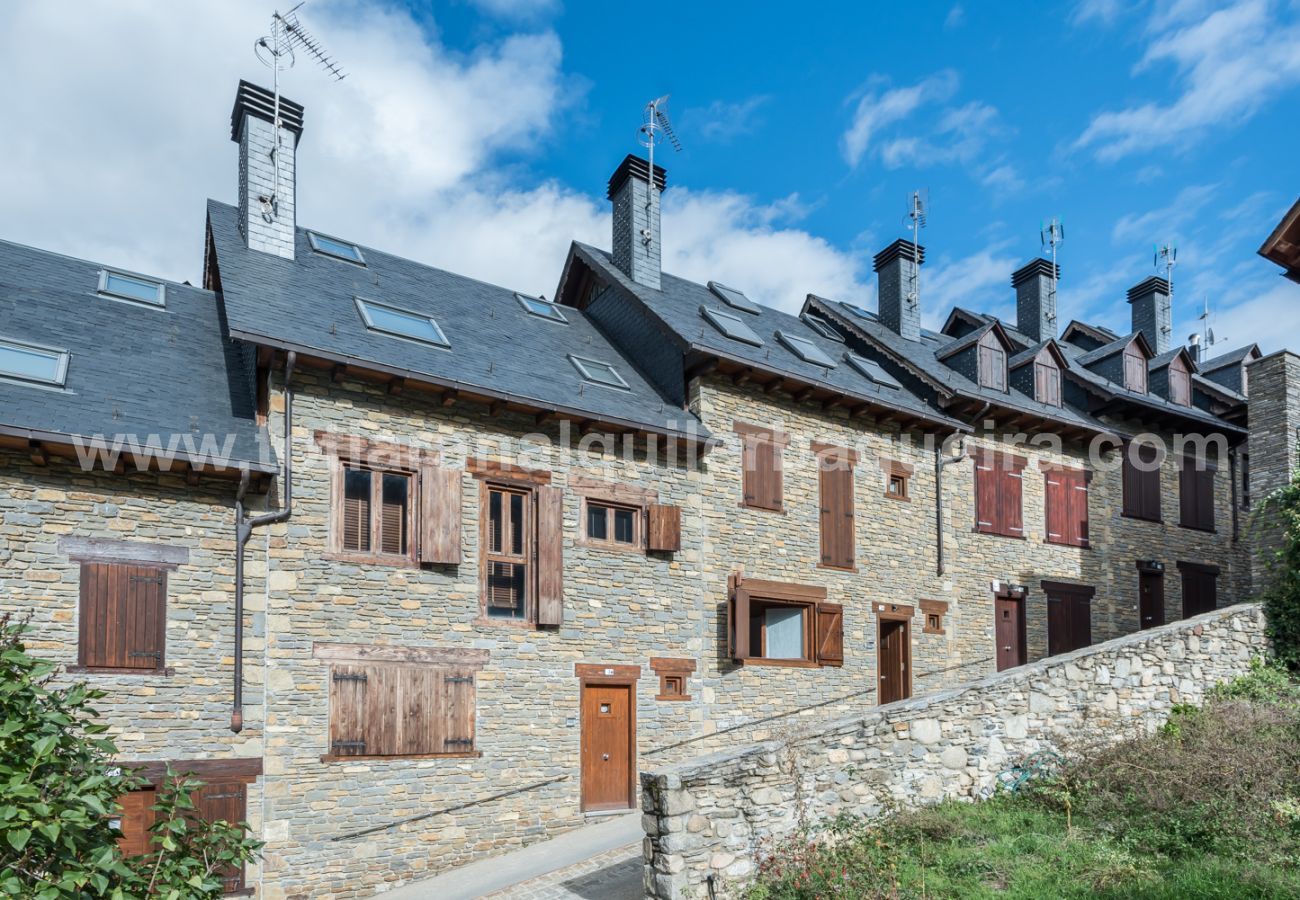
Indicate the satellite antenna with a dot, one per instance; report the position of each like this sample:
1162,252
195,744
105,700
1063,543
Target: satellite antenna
1052,235
276,52
917,213
655,126
1206,331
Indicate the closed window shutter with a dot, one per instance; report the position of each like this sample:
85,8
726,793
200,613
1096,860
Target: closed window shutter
392,523
356,523
1205,499
224,801
836,517
350,715
1078,491
123,616
1010,481
456,712
665,528
440,516
830,634
1187,514
762,475
135,818
1055,508
550,555
988,514
738,624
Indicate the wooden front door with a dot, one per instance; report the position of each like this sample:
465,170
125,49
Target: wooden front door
1009,629
1151,599
607,741
893,669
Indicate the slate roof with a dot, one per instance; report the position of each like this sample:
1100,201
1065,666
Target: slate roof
1161,360
1232,357
133,370
1107,350
677,305
1017,337
1029,354
498,349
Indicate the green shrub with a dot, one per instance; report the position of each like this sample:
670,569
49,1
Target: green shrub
1281,597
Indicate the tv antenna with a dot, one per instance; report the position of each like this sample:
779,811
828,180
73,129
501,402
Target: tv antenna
1207,333
918,203
1166,256
1052,235
655,126
276,52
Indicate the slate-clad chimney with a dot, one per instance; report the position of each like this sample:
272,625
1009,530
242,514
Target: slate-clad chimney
1036,299
897,274
1153,313
266,209
636,224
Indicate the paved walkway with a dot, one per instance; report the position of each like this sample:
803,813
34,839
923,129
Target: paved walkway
600,861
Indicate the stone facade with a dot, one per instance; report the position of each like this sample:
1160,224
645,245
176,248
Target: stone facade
705,819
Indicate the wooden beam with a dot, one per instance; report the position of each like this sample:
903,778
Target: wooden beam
450,396
119,467
396,385
545,416
700,369
774,385
801,396
40,456
855,411
339,372
832,402
495,407
742,377
191,476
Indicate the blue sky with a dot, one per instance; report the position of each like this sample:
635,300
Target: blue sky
478,136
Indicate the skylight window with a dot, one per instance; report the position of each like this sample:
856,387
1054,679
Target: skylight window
598,372
733,298
541,307
822,327
805,350
336,248
30,362
401,323
132,287
731,326
872,371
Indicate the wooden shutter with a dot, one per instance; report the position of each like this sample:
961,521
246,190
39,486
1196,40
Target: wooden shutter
224,801
392,522
738,624
456,712
830,634
440,516
123,616
837,531
135,819
1135,369
1009,481
1056,506
762,474
1078,509
665,528
1196,495
355,513
550,555
1047,382
1141,488
349,712
988,512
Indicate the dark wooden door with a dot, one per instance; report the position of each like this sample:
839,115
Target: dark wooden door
1069,622
893,669
1010,632
1151,599
223,801
607,747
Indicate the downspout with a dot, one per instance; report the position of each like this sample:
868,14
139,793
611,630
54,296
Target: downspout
244,530
942,462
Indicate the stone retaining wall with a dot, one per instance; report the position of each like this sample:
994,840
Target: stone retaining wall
707,818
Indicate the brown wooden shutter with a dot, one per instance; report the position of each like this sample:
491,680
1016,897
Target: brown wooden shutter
1056,507
738,627
350,715
761,472
988,513
1205,498
456,713
355,512
1196,495
135,819
665,528
830,634
1009,481
392,522
440,516
1078,491
837,531
550,555
123,616
224,801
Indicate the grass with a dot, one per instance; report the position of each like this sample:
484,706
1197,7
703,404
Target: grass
1207,807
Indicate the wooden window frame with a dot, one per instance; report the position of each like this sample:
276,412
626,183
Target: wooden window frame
935,608
638,542
745,593
901,471
750,437
529,556
673,670
1130,506
159,570
836,459
1005,475
1083,540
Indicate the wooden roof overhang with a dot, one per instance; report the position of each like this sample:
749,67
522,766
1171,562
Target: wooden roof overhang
1283,245
1103,402
1011,417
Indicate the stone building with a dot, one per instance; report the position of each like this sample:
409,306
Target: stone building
416,569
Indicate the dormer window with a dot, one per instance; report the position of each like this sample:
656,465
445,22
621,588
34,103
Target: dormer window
992,363
1135,369
1047,381
121,286
1180,382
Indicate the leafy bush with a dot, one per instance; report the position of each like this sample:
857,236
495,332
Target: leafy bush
1281,598
58,792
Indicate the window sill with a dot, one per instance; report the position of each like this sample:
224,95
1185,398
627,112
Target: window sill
1084,546
927,630
1199,528
781,663
779,510
493,622
673,697
466,754
372,559
103,670
1014,537
901,498
847,570
1157,521
610,545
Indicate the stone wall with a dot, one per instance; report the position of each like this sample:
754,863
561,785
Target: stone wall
705,819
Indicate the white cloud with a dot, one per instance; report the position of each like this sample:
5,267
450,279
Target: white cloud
1004,178
1227,66
1165,222
980,281
1269,315
877,109
955,18
1102,11
517,9
722,122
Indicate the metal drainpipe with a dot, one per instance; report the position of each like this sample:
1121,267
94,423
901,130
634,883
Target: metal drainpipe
244,530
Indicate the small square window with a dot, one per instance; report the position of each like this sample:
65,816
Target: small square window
30,362
673,686
599,372
932,621
674,676
329,246
613,525
401,323
132,287
897,486
541,307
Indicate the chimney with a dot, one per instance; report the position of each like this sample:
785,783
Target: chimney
636,220
266,200
1153,313
898,291
1194,348
1036,298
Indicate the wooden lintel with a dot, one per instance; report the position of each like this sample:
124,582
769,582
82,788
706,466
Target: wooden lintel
495,407
858,410
40,455
396,385
458,657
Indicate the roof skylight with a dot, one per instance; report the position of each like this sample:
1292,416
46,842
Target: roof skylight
805,350
31,362
731,326
733,298
401,323
132,287
598,372
822,327
541,307
872,371
336,248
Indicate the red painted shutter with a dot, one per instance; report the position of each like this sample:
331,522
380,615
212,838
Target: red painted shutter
440,515
1079,508
1056,507
550,555
1009,500
830,634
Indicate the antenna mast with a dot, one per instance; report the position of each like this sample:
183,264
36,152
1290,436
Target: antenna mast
1052,235
275,51
1168,257
917,214
655,126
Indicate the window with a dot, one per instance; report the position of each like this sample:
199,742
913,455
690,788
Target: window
774,623
998,478
599,372
1047,381
1200,588
522,551
805,350
733,298
822,327
898,478
433,687
992,363
1196,494
674,675
1135,368
123,618
509,550
763,482
338,249
835,466
541,307
401,323
1180,382
1069,616
1141,481
934,611
731,326
29,362
872,371
132,287
376,514
1066,506
614,525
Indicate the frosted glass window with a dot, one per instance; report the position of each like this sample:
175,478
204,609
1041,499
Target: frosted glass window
784,628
